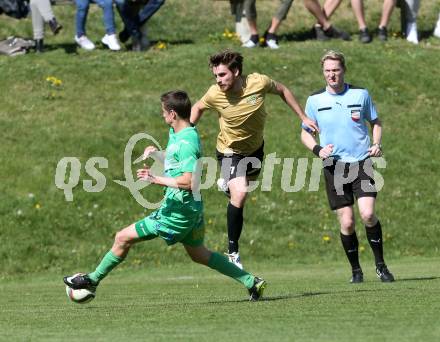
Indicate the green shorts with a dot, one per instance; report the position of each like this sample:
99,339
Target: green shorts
152,227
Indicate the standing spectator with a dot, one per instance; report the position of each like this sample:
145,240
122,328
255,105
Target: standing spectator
341,111
250,10
437,28
387,10
109,39
239,101
330,7
324,31
42,13
409,11
270,36
135,15
241,24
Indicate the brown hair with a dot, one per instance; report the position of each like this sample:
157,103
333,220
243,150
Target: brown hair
177,100
233,60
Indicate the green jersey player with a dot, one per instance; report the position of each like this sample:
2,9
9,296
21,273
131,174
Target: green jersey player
180,217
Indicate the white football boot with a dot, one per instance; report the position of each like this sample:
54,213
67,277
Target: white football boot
235,259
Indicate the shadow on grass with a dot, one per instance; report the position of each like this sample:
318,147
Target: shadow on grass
69,48
72,48
311,294
173,42
300,36
418,278
426,34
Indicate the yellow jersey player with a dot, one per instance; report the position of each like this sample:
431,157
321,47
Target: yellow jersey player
239,100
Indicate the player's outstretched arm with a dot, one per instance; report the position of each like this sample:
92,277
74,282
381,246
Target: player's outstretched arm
181,182
292,102
196,112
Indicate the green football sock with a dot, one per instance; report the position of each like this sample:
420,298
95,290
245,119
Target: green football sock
109,262
221,264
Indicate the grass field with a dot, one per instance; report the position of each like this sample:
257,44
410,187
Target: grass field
291,239
191,303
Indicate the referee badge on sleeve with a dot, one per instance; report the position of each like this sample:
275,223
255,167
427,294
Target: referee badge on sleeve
356,115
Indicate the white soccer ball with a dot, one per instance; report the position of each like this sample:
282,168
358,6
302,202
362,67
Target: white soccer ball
80,296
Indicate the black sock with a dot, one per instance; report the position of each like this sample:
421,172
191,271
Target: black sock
271,36
235,225
350,244
255,38
374,236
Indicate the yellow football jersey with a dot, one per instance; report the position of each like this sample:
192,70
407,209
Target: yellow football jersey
241,115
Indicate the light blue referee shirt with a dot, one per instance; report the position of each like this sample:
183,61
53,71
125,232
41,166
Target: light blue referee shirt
342,120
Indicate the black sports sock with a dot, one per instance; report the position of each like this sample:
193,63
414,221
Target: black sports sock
235,225
350,244
374,236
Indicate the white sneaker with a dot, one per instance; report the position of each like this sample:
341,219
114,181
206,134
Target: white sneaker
249,44
84,43
437,30
235,259
272,44
111,41
411,33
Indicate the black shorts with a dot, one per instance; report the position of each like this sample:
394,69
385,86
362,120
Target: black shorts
344,181
238,165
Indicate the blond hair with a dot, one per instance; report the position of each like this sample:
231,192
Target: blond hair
334,56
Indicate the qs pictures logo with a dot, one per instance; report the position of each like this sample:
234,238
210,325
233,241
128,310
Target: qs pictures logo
67,175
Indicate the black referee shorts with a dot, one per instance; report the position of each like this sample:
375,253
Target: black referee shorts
345,181
238,165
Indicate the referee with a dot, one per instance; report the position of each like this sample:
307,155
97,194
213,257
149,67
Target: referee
342,112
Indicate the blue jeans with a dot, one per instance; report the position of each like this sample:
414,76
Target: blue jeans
82,9
150,8
134,18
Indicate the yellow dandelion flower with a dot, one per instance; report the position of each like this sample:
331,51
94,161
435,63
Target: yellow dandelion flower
361,248
254,198
37,206
326,238
209,221
161,45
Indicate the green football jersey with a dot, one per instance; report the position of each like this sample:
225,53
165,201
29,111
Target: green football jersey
179,208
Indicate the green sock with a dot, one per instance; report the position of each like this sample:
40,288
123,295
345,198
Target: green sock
221,264
109,262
